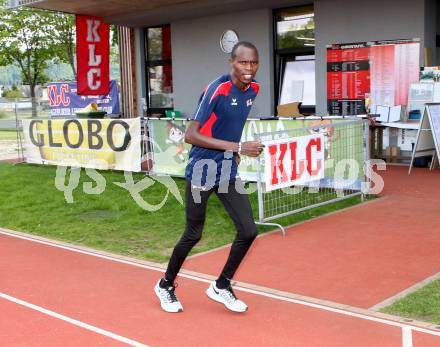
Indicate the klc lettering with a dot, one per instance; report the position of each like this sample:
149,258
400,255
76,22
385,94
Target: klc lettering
94,61
297,167
55,98
75,134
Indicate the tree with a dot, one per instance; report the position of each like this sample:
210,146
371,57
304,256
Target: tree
34,39
28,40
290,38
115,71
9,75
65,30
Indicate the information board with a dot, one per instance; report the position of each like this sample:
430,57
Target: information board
382,70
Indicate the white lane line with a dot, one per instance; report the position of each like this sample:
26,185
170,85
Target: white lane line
239,288
340,311
407,337
73,321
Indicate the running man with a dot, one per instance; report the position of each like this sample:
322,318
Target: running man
215,133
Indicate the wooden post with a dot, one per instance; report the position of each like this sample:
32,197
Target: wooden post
128,73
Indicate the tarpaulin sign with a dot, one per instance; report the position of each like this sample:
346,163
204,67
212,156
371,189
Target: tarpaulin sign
105,144
93,49
65,102
293,161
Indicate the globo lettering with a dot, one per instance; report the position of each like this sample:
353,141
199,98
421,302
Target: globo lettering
89,135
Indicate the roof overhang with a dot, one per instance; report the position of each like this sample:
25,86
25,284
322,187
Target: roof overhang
18,3
142,13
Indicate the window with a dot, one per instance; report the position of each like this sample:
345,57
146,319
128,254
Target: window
158,69
295,27
295,56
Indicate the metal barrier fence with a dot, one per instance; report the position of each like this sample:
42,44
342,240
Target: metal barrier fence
23,108
345,143
12,112
346,154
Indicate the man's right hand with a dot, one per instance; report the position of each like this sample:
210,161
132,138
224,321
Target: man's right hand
251,148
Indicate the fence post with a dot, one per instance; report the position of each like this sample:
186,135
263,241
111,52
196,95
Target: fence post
261,217
259,190
20,154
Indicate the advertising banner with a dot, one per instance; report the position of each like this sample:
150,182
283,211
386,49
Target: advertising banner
107,144
248,165
170,152
93,51
64,100
293,161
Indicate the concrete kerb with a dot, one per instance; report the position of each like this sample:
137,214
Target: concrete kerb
391,300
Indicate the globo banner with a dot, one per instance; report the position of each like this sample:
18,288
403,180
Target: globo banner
106,144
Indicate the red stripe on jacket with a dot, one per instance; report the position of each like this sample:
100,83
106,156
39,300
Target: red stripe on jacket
255,86
222,89
206,129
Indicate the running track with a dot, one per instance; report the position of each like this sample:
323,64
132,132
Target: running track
51,295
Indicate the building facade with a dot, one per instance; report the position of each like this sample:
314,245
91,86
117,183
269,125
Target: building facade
176,44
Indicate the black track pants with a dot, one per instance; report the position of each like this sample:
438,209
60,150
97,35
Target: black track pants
239,209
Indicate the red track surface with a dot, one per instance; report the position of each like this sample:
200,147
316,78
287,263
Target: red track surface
22,326
119,298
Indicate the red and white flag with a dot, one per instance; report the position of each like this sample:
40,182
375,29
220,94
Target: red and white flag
93,49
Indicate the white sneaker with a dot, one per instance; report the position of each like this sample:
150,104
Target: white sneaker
226,297
168,299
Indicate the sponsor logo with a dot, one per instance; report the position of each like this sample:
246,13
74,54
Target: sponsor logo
234,102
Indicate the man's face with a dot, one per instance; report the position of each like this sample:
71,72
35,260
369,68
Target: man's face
245,64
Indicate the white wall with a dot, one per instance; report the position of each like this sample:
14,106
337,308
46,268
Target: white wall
198,60
341,21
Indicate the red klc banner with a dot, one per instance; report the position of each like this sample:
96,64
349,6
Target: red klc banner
93,48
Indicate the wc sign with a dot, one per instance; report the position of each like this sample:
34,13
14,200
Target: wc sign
293,161
93,47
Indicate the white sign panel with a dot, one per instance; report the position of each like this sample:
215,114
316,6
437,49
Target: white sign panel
293,161
428,136
434,116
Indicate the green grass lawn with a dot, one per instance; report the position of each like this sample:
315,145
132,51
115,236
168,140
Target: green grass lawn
112,221
8,134
423,304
